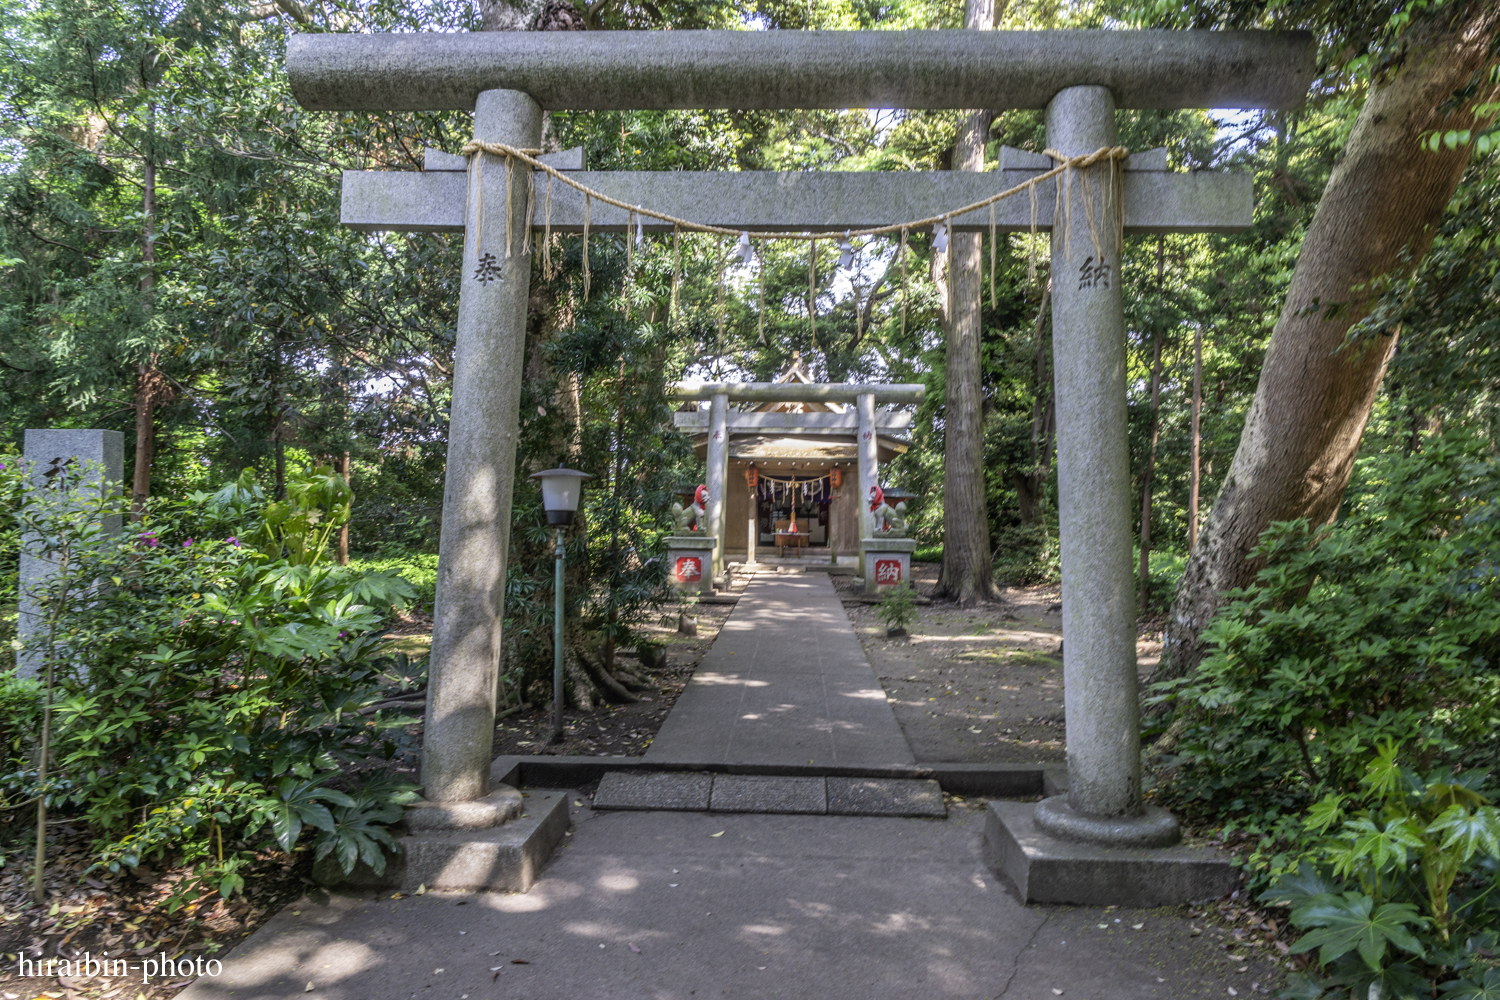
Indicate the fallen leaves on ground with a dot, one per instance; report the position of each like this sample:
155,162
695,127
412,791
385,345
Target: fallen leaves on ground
122,916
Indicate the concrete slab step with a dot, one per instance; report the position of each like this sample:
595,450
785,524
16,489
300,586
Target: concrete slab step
674,791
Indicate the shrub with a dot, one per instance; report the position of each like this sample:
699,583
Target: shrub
11,484
1382,627
897,608
1401,898
417,568
1028,554
205,696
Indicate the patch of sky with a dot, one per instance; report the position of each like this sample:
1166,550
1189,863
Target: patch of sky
884,122
12,152
1238,131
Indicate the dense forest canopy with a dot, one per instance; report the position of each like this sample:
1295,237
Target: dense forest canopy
172,254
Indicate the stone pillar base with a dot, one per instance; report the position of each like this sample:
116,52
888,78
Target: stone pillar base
690,560
1046,869
506,858
886,563
1154,827
495,809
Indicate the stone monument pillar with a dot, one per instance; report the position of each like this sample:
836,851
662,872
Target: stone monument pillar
104,450
482,430
1103,804
717,479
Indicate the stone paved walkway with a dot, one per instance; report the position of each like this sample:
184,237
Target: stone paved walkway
694,905
786,682
655,906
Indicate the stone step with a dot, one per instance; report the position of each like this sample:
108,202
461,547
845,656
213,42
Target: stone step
693,791
998,781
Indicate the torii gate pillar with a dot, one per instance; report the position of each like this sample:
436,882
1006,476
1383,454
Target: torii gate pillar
483,421
1103,804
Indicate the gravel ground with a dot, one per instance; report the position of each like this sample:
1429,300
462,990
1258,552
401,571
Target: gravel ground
981,685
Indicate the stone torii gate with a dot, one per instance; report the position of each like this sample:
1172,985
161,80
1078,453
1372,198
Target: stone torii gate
1080,78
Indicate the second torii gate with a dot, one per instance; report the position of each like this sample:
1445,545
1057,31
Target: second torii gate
863,422
1080,78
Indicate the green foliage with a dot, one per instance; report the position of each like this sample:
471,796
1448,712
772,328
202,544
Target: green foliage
1448,364
20,718
209,693
1381,627
298,528
897,608
604,395
1485,986
11,484
1348,923
1401,892
1166,570
1028,554
417,568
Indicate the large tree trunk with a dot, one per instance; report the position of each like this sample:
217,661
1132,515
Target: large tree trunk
1150,474
148,381
968,573
1031,485
1376,219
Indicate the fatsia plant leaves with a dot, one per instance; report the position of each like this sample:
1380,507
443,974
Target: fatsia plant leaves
1470,832
1350,921
1487,988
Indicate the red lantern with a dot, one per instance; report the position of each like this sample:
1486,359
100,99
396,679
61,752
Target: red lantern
752,478
836,477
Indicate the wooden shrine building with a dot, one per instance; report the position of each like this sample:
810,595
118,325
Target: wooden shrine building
794,459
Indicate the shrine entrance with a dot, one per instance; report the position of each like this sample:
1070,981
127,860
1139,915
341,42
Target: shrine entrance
783,454
792,474
1086,191
793,508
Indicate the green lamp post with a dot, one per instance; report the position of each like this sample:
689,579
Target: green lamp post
560,491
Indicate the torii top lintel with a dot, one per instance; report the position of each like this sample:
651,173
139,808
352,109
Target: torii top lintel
622,70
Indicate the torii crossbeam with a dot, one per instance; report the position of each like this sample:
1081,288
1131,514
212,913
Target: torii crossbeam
1079,77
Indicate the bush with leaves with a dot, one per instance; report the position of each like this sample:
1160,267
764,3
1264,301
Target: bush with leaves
204,691
1382,627
897,608
605,396
1400,899
11,483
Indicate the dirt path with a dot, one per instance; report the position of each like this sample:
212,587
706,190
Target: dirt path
981,685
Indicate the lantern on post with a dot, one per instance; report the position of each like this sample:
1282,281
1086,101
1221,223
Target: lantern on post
752,478
560,492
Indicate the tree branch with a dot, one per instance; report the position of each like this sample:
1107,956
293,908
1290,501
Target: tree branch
295,11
